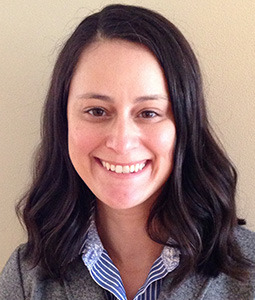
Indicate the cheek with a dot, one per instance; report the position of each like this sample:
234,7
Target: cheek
167,138
80,141
163,141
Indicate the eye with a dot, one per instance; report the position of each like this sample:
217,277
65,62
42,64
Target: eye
96,112
148,114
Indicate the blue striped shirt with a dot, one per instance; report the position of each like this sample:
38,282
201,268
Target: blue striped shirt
106,275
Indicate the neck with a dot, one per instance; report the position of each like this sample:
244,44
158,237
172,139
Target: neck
124,236
123,233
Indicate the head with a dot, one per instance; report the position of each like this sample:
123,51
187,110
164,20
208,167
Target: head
196,205
121,130
164,41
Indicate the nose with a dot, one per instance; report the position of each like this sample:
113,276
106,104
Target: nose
123,135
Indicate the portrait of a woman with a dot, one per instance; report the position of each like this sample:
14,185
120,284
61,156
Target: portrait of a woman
132,196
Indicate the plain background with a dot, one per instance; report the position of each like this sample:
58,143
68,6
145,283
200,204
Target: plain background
222,34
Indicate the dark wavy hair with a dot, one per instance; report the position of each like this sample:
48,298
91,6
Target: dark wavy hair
197,204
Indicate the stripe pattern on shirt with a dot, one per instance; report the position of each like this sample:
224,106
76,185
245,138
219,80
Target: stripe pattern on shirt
106,275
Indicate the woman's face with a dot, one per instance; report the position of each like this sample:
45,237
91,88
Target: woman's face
121,130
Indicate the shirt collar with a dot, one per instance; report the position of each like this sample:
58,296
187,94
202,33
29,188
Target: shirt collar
93,249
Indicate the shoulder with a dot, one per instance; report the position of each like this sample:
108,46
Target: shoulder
221,286
246,241
17,264
12,289
21,280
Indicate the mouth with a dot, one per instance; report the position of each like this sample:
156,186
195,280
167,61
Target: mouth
125,169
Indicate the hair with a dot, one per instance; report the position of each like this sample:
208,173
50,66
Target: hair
197,203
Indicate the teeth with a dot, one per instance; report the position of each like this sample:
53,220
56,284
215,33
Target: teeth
123,169
131,168
141,166
118,169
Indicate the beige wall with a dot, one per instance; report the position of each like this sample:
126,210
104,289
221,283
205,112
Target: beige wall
223,35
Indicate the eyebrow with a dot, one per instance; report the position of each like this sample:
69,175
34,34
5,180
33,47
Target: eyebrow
110,99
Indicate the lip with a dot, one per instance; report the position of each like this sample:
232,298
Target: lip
145,161
123,175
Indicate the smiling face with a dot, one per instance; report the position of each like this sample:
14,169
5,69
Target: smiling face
121,131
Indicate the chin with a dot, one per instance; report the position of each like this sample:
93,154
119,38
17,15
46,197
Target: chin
127,202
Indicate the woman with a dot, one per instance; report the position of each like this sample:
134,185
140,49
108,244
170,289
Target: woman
132,197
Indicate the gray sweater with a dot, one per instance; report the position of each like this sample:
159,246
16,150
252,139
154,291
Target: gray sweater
19,281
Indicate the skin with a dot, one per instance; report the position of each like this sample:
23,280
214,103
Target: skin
119,112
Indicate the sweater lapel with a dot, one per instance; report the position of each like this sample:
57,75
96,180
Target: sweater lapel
79,285
192,288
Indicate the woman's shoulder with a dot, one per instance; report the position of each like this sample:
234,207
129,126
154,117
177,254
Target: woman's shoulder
244,235
16,271
17,261
20,279
10,278
246,241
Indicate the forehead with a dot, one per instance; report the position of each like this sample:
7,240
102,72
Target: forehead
118,64
103,48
